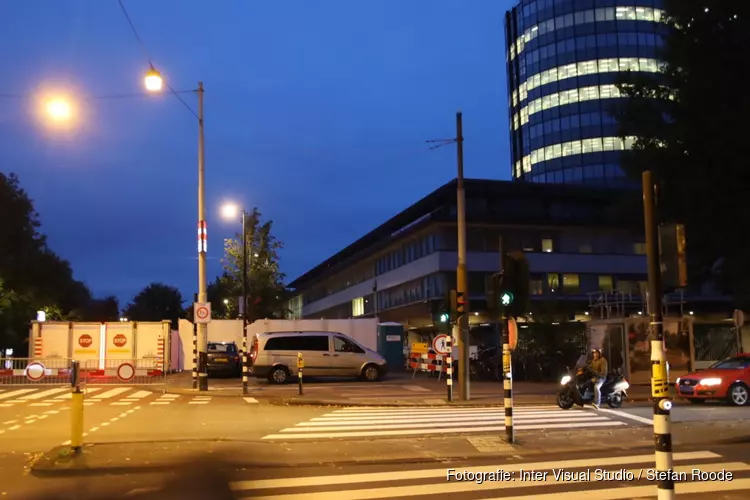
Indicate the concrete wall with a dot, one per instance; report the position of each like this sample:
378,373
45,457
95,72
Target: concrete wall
363,331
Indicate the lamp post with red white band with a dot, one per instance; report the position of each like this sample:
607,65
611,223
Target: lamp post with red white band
154,83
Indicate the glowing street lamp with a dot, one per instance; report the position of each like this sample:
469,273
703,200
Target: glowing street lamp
153,80
59,110
229,211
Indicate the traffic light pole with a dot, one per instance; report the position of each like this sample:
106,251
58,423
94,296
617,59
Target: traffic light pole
462,285
659,379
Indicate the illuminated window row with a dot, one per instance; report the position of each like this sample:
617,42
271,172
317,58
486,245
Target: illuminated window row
611,65
565,97
570,148
585,17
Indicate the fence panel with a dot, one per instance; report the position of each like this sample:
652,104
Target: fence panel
35,371
130,371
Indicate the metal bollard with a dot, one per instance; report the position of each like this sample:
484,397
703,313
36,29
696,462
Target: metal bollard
508,389
300,366
449,367
76,408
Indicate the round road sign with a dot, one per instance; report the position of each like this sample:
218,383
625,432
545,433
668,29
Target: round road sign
126,372
202,312
35,371
440,345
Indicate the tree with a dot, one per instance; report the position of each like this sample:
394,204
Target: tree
32,277
686,120
266,291
156,302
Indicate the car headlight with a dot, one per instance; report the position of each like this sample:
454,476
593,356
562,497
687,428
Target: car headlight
710,381
565,379
677,381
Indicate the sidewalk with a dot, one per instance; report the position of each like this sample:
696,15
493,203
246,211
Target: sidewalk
164,456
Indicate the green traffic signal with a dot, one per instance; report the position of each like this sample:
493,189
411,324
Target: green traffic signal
444,318
506,298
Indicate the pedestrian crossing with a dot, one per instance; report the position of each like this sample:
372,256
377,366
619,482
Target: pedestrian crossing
370,422
600,477
97,396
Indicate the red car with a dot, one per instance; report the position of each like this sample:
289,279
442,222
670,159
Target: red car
728,380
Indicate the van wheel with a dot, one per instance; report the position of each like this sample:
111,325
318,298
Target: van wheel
279,375
371,373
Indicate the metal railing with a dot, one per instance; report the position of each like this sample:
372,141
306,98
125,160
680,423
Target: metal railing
56,371
34,371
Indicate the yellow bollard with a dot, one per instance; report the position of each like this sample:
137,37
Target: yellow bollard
300,366
76,420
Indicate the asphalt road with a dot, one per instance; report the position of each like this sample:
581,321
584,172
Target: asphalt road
602,474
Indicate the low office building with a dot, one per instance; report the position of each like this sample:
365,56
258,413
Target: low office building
581,242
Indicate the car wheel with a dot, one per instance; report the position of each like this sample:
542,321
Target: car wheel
371,373
279,375
738,395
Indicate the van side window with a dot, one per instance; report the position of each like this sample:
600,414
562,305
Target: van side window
298,343
340,344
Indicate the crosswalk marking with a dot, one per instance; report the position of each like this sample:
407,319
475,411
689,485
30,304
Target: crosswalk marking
250,400
13,394
43,394
380,422
110,393
382,485
86,392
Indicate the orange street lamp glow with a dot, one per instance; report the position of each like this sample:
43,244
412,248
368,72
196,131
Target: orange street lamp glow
153,81
59,110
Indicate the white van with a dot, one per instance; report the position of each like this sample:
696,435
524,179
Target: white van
273,355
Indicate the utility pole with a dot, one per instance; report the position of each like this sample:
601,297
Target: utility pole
202,248
659,379
461,328
245,368
462,281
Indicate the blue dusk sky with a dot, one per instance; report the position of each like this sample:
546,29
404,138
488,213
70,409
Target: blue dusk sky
316,112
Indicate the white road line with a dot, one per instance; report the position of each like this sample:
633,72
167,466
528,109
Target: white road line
198,402
440,473
41,404
458,418
289,434
52,412
519,424
121,403
416,388
86,392
6,405
159,402
94,429
44,394
250,400
623,414
13,394
10,422
112,392
14,427
427,415
139,395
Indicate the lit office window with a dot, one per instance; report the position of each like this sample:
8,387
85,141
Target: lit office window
571,284
358,307
606,284
571,148
553,282
639,248
565,97
583,68
547,245
584,17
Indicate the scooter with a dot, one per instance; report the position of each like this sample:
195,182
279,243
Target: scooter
578,389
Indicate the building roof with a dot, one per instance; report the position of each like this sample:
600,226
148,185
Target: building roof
518,195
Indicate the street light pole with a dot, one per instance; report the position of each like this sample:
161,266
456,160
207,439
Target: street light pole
462,285
245,368
203,247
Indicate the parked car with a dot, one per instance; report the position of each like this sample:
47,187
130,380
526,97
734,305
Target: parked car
727,380
273,356
223,358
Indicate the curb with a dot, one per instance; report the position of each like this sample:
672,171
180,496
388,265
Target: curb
407,404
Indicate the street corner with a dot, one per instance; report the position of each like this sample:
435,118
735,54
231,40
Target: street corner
61,460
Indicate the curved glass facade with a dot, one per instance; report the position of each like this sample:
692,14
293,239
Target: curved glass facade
564,58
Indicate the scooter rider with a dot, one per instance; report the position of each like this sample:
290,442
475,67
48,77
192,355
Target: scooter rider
599,366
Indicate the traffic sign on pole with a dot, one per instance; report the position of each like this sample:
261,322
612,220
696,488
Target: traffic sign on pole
35,371
440,345
126,372
512,333
202,312
739,318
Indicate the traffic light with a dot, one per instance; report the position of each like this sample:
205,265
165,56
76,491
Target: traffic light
441,311
514,285
458,304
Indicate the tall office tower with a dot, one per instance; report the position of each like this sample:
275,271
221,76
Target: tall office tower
563,62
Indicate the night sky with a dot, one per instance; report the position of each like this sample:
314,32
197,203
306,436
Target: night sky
316,112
